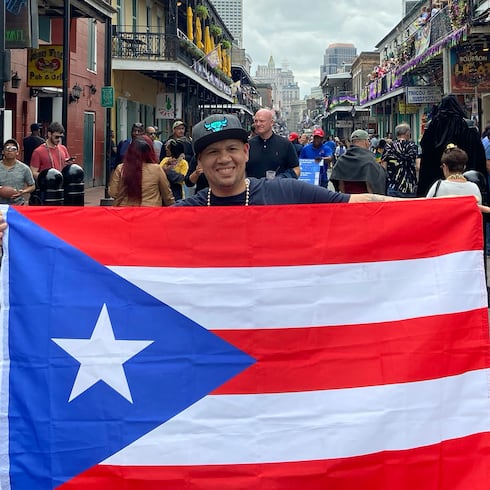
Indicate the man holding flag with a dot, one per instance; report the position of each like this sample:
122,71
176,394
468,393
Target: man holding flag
222,149
261,349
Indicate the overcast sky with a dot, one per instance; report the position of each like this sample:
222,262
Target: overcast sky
299,31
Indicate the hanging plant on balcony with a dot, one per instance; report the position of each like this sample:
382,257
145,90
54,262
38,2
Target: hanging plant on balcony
215,31
202,12
225,44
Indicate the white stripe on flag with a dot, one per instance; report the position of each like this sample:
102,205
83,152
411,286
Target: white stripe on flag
236,429
343,294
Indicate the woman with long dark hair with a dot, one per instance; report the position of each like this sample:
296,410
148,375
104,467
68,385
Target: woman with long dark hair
139,180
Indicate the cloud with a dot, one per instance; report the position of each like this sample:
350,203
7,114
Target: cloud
299,31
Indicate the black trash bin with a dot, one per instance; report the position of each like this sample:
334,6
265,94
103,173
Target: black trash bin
73,185
50,183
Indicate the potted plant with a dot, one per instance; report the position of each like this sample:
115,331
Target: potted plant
202,12
215,31
225,44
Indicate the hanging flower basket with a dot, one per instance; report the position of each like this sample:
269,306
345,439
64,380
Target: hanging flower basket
215,31
202,12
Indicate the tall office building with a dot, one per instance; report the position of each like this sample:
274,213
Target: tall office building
231,11
337,58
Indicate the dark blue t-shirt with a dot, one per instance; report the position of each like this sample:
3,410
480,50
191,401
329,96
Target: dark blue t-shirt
271,191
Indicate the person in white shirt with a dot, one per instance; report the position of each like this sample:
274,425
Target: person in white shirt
453,164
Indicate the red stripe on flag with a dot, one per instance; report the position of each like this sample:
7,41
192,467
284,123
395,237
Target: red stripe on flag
459,464
267,235
320,358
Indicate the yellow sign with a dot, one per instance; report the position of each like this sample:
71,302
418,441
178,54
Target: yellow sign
45,66
407,108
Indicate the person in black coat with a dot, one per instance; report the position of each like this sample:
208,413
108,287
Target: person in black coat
448,125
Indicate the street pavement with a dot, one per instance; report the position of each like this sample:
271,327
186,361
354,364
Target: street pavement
95,196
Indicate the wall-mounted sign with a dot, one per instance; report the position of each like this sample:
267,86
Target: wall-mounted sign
344,124
107,96
20,17
169,106
45,66
407,108
423,95
470,69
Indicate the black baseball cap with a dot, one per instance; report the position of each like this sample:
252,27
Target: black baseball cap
217,127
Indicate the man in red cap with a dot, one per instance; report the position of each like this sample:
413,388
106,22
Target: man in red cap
320,152
293,137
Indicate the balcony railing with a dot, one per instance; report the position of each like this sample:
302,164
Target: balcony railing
147,45
141,44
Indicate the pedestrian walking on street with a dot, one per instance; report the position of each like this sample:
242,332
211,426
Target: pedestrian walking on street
16,180
270,152
356,171
222,149
399,158
139,180
448,125
31,142
51,154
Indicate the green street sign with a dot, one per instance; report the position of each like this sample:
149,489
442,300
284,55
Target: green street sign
107,97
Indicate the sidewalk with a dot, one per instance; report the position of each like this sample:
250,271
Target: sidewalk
94,195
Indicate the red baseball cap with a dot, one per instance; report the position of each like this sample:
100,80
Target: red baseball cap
318,132
293,136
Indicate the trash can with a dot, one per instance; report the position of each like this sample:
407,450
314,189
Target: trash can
50,182
73,185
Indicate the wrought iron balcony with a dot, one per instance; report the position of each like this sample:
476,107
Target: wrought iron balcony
141,44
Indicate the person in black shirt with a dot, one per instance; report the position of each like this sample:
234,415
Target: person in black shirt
269,151
221,148
30,143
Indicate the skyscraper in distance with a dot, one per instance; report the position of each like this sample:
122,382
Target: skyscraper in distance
231,12
336,57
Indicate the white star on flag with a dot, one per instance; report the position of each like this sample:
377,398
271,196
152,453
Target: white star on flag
101,357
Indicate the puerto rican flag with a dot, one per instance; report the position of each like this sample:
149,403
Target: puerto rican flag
338,347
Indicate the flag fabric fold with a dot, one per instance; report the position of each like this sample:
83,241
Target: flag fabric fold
324,346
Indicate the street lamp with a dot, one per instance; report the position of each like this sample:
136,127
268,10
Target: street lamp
76,93
15,80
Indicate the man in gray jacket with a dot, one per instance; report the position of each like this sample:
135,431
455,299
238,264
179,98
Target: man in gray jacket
356,171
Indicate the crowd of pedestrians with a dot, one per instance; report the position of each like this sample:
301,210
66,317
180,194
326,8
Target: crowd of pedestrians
148,171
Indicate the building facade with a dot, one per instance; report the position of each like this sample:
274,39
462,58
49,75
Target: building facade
336,57
58,76
418,64
285,89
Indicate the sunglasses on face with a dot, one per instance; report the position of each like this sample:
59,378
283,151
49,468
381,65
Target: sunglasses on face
10,148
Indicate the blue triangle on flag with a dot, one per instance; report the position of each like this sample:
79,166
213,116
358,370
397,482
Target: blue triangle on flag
56,291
